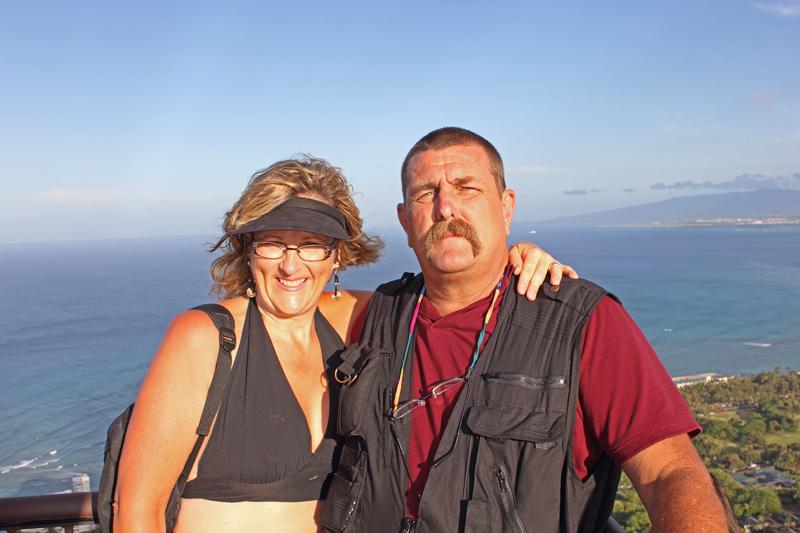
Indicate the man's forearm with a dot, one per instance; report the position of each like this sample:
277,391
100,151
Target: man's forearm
684,500
676,488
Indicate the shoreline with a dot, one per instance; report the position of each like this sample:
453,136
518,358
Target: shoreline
712,223
714,377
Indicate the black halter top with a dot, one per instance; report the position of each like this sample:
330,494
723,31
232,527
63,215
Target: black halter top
260,448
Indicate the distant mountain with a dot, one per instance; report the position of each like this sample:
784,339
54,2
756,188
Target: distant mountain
689,209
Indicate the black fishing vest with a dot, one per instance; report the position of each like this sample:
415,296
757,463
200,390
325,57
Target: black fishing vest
512,467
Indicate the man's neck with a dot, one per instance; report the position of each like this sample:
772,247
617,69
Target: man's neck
448,293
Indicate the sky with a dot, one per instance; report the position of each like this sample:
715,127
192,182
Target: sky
148,118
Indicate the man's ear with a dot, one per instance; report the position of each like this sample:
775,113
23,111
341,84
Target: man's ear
401,216
509,198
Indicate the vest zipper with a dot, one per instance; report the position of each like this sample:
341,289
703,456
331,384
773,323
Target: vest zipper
509,502
526,381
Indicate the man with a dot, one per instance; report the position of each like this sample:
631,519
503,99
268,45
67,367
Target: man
467,408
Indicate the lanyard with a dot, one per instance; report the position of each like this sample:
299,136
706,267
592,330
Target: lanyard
412,328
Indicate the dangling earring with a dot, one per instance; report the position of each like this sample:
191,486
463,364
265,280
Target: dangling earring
250,293
336,294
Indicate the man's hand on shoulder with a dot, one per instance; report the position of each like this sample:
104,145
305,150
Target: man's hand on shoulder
676,488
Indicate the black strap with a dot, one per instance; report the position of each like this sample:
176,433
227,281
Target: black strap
223,321
187,468
227,341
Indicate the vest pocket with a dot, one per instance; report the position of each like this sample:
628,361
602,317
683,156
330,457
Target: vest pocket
344,493
544,430
524,391
519,452
512,517
522,380
476,519
360,367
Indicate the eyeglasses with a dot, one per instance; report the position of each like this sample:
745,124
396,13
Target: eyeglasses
437,390
306,252
402,409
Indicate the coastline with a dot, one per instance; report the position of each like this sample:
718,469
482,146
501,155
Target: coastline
711,223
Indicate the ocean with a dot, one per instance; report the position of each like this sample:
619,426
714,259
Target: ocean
81,320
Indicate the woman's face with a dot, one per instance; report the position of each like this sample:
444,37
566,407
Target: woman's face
290,286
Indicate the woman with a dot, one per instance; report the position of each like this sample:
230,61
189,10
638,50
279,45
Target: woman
272,445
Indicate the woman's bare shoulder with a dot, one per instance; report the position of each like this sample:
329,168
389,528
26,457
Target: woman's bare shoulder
237,307
193,332
343,311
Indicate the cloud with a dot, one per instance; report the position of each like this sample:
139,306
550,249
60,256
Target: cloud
748,182
688,184
98,213
581,192
81,198
765,97
77,197
785,8
93,203
629,190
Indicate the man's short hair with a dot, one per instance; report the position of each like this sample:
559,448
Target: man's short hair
453,136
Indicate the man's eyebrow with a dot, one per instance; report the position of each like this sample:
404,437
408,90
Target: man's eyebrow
461,180
428,186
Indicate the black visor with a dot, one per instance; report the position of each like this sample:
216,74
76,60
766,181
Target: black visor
301,214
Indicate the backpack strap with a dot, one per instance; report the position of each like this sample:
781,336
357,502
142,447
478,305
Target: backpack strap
223,320
227,342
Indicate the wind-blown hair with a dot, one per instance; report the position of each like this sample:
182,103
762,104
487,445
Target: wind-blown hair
307,176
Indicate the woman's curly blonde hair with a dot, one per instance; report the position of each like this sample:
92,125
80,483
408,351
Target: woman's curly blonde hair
307,176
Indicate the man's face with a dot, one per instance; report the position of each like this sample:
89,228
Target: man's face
454,216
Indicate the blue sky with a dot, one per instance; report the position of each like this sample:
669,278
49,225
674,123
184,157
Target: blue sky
148,118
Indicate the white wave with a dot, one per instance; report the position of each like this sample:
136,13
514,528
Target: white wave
52,452
22,464
668,330
31,464
45,463
758,344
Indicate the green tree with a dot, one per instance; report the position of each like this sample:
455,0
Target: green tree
708,447
750,454
748,501
752,501
630,512
752,430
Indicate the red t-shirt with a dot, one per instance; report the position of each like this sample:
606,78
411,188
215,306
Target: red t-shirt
627,401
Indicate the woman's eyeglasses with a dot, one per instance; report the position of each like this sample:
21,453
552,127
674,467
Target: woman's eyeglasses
307,252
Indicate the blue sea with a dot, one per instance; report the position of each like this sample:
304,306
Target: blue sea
81,320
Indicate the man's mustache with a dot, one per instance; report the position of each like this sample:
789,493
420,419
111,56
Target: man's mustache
453,227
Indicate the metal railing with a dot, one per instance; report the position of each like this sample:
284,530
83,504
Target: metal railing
53,510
